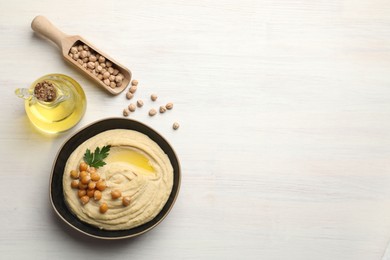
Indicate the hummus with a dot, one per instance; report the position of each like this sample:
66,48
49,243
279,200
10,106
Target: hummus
136,166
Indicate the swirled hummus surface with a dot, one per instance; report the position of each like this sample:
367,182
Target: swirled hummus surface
136,166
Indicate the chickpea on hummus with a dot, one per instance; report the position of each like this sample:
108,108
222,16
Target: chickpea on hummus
129,190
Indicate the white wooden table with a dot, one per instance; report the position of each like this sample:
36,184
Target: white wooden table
284,109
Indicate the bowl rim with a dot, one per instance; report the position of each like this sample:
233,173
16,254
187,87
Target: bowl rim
124,236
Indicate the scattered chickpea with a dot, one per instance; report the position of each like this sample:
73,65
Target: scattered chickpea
140,103
84,199
74,174
131,107
103,208
97,195
134,82
129,95
152,112
133,89
126,112
175,126
162,109
169,106
153,97
115,194
126,201
102,59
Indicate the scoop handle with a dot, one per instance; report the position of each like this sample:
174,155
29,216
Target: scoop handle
43,26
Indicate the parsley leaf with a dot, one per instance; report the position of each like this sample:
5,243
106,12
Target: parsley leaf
96,158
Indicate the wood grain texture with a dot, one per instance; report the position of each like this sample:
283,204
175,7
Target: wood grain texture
284,109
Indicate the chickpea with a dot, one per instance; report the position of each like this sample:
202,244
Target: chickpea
102,59
76,56
133,89
106,75
74,184
118,84
115,72
83,54
85,47
140,103
108,64
100,76
126,112
99,68
162,109
116,194
80,47
175,126
90,193
73,50
106,81
152,112
91,185
92,58
118,79
111,70
81,193
83,166
84,199
86,179
91,65
134,82
111,78
80,61
82,186
103,65
101,185
74,174
126,201
169,106
153,97
112,85
82,174
129,95
95,176
103,208
132,107
85,60
97,195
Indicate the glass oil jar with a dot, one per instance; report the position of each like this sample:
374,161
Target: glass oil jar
54,103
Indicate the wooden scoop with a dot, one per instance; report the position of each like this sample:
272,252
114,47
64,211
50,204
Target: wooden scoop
65,42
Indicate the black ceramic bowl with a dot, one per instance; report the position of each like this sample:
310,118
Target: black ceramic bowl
56,189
